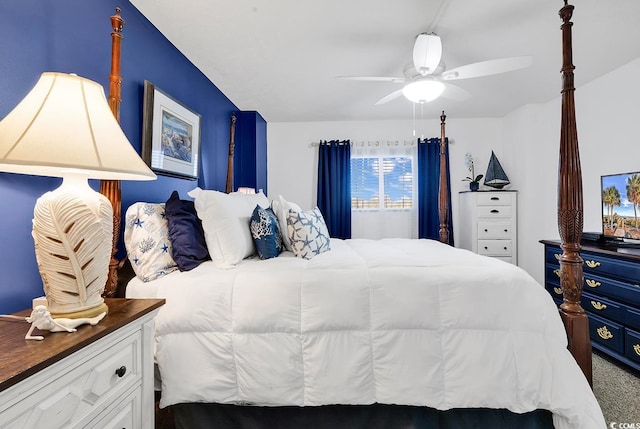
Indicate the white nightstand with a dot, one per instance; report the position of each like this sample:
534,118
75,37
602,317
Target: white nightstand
98,377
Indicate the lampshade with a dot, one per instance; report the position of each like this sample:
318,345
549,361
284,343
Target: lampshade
64,127
423,91
65,123
427,51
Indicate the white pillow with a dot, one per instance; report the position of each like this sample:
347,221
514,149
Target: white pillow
281,208
308,233
225,220
146,238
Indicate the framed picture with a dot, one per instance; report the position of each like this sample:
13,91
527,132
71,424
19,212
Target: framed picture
170,135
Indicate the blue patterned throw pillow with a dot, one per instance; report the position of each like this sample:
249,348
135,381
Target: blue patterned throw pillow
307,233
266,233
146,238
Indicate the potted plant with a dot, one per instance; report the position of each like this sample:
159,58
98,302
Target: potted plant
474,181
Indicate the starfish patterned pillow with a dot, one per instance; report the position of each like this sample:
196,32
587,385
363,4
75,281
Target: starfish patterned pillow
266,233
307,233
146,238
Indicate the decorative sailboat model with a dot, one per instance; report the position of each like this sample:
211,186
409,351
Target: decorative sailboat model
495,177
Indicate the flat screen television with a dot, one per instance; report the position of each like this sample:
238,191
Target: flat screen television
620,195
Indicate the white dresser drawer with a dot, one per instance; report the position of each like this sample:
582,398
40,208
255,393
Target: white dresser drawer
494,247
492,229
77,389
495,198
124,415
491,212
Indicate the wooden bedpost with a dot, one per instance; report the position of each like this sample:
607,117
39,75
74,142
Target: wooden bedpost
443,190
111,188
570,211
232,133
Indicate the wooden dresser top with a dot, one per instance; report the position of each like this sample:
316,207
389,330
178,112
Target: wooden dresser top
20,358
632,253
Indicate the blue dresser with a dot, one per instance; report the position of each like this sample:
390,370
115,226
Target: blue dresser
611,296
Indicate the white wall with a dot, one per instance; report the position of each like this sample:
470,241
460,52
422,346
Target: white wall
608,123
533,134
526,142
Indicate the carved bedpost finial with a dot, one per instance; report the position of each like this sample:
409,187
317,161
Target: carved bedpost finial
117,23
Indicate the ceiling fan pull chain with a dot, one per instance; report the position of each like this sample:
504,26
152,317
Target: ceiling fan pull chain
414,118
422,116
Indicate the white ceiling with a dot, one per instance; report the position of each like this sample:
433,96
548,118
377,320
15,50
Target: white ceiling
281,57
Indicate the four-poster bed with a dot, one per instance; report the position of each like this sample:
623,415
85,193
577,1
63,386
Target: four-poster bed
570,211
288,348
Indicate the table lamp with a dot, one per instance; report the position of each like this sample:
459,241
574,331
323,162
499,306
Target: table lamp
65,128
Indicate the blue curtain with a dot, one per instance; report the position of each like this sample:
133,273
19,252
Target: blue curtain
428,184
334,186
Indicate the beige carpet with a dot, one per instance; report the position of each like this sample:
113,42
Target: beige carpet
617,388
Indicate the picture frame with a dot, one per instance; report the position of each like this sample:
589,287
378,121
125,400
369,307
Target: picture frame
170,135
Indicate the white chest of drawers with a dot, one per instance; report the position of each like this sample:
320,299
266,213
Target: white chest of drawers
488,223
98,377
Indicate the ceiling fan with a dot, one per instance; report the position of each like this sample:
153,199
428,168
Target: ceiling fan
427,77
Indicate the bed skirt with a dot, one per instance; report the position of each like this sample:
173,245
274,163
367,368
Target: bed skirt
378,416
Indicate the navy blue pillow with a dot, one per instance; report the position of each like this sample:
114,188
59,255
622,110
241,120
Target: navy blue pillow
186,233
265,232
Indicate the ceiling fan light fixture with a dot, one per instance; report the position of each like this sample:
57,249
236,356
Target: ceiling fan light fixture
423,91
427,52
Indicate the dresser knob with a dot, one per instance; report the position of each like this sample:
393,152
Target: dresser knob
486,248
495,211
505,248
120,372
506,230
486,230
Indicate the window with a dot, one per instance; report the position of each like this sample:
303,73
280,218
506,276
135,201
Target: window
382,182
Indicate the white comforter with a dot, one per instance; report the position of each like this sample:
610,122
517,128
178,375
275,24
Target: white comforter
392,321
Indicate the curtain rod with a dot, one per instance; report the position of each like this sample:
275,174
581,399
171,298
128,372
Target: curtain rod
380,143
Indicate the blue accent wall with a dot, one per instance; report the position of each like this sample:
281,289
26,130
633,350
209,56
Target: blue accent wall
250,158
74,36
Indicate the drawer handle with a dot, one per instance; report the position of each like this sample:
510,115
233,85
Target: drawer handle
592,264
495,211
558,256
598,305
556,272
505,248
604,333
495,199
486,248
486,230
557,290
636,348
593,283
506,230
120,372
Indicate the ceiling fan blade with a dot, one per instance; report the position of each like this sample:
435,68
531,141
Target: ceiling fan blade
374,78
387,98
486,68
454,92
